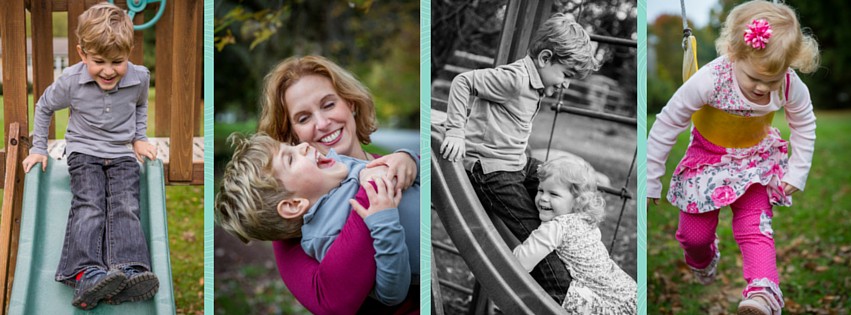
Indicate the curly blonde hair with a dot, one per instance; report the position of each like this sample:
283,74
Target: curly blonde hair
569,43
104,29
275,120
247,201
789,46
581,181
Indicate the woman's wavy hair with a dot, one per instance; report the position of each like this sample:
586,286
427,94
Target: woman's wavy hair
275,119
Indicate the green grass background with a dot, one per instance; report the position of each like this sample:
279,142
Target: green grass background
812,238
185,206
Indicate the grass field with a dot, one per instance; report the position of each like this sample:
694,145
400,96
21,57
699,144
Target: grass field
185,206
812,239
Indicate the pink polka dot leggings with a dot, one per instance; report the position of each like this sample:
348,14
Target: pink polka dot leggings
752,231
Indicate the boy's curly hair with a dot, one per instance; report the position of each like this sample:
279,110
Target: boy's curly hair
104,29
569,43
581,181
247,201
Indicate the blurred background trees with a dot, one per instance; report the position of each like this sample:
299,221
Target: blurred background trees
378,42
830,86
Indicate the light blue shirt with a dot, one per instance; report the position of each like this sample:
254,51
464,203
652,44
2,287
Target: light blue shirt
102,123
395,232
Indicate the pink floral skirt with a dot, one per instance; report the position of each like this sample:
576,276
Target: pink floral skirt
710,176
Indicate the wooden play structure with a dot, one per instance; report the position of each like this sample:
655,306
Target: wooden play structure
179,107
481,239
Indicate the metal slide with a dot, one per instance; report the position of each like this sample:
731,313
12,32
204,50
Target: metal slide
47,200
480,242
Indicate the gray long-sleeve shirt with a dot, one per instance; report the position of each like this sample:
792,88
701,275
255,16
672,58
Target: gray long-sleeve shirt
101,123
503,102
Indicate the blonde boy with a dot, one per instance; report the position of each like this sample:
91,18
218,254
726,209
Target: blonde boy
491,140
274,191
105,255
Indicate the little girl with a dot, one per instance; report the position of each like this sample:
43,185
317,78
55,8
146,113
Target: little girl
735,158
570,208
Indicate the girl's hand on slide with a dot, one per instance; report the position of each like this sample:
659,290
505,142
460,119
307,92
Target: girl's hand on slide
788,189
32,159
453,149
401,168
381,197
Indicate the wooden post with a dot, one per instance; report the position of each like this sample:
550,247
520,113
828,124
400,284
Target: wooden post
164,33
10,224
138,53
186,24
41,20
75,8
13,36
199,74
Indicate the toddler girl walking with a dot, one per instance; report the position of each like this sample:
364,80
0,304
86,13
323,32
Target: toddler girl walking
735,158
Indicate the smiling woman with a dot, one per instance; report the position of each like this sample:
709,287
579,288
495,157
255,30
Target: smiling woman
313,100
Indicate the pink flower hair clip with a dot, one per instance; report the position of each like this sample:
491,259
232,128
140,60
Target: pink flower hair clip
758,33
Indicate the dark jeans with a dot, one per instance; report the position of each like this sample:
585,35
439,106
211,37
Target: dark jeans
104,229
510,195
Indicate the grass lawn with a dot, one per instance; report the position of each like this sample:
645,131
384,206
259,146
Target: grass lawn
185,206
812,240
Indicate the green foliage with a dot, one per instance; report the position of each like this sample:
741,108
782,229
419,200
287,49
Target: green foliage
185,206
377,41
59,26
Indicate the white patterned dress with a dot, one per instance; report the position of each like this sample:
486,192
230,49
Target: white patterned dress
710,176
599,286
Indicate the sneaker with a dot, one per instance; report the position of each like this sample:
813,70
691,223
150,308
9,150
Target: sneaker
707,275
139,286
96,285
758,303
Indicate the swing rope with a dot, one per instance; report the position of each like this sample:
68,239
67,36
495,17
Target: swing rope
689,47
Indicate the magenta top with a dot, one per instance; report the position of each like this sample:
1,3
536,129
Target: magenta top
342,281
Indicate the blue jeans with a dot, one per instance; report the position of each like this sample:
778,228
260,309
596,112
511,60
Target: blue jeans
510,196
104,229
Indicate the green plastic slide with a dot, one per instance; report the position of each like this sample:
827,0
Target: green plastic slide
47,200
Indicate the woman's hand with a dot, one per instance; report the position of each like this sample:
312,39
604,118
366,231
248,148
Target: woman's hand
381,197
788,188
453,149
144,148
34,158
399,165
